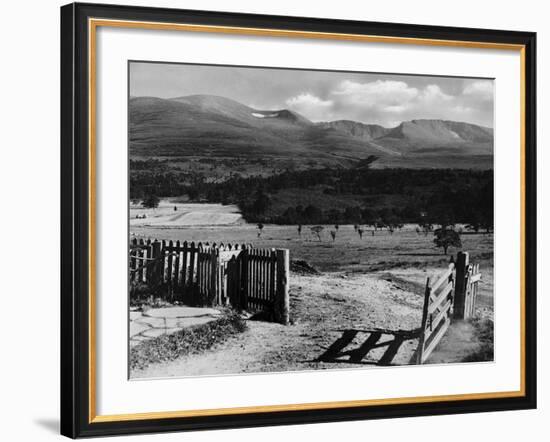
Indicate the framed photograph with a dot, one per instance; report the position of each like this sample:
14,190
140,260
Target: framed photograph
279,220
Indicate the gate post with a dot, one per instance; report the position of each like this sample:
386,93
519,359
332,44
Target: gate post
282,301
462,263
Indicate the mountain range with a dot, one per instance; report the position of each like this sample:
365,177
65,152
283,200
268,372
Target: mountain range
213,126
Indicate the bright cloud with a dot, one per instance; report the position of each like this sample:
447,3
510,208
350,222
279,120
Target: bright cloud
311,106
387,101
479,89
433,93
376,93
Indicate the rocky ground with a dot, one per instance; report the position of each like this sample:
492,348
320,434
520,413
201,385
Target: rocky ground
149,323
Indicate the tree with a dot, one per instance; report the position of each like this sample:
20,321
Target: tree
313,214
151,201
299,230
262,202
353,214
333,234
317,230
260,227
446,237
360,232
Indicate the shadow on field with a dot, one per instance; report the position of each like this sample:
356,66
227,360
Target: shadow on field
391,340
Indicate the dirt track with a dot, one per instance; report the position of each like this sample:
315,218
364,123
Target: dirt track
339,322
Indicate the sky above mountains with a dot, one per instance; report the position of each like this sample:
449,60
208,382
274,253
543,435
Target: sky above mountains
384,99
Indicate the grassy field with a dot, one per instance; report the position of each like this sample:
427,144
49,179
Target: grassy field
405,254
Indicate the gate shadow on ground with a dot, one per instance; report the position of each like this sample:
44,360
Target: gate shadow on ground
375,338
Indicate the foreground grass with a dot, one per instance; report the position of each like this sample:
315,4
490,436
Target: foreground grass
191,340
484,333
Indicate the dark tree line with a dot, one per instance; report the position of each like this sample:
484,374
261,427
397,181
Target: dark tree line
390,197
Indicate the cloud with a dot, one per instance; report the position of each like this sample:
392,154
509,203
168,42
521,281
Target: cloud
375,93
386,101
389,101
311,106
433,93
479,89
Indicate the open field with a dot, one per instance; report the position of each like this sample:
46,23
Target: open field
404,255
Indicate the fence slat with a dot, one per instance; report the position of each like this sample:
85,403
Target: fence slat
133,260
244,278
440,298
142,254
435,340
420,349
214,272
443,313
183,276
177,269
444,278
190,282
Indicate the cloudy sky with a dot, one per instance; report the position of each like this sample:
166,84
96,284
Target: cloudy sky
384,99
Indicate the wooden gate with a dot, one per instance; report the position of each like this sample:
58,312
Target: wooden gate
452,297
436,313
203,274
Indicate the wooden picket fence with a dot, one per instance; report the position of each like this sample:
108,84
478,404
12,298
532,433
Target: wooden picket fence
452,297
203,274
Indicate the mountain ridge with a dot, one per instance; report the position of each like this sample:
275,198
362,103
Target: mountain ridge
219,126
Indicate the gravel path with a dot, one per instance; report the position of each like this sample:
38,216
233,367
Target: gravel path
340,321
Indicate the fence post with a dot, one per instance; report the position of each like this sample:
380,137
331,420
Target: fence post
462,263
282,301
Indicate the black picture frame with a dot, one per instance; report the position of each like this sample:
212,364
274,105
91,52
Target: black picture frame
75,220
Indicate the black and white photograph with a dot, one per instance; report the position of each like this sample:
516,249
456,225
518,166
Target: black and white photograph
289,220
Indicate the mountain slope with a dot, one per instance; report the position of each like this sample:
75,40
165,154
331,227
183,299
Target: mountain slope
209,125
355,129
212,126
439,135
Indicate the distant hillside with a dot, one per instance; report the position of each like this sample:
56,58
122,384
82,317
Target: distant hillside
363,131
431,135
212,126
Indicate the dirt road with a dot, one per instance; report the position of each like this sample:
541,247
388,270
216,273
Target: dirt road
340,321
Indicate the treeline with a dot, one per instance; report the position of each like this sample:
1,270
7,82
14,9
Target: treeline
384,196
390,197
